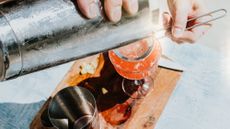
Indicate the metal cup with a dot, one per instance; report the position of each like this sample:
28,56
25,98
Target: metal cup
74,108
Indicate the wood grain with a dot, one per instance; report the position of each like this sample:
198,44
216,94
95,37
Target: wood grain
144,113
148,111
74,77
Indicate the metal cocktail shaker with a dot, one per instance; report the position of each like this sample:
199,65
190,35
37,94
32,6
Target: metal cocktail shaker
38,34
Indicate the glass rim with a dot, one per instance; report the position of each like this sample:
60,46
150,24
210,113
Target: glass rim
143,56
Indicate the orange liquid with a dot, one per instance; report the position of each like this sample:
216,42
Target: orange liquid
137,70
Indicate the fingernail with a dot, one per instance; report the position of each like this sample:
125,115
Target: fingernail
93,10
177,32
134,6
116,14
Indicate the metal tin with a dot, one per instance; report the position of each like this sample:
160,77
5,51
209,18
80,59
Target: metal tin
74,108
35,35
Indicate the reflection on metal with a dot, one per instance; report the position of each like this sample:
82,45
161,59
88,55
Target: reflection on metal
38,34
74,108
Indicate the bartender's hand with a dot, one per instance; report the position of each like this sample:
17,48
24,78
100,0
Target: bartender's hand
113,8
181,11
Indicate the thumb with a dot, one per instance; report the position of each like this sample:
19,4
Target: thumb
166,20
180,18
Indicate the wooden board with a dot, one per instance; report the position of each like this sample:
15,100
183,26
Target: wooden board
144,113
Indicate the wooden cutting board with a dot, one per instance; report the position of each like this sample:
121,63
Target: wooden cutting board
143,114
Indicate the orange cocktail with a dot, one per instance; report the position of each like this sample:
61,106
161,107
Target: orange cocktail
138,60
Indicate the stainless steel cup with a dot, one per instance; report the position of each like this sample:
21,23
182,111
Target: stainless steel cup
74,108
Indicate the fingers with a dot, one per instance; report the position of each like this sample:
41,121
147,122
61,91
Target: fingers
113,9
131,6
189,36
88,7
193,35
181,11
180,17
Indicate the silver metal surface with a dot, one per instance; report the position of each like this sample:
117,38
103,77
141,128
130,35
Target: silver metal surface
39,34
11,56
74,108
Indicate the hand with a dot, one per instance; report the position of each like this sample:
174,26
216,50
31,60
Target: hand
181,11
113,8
